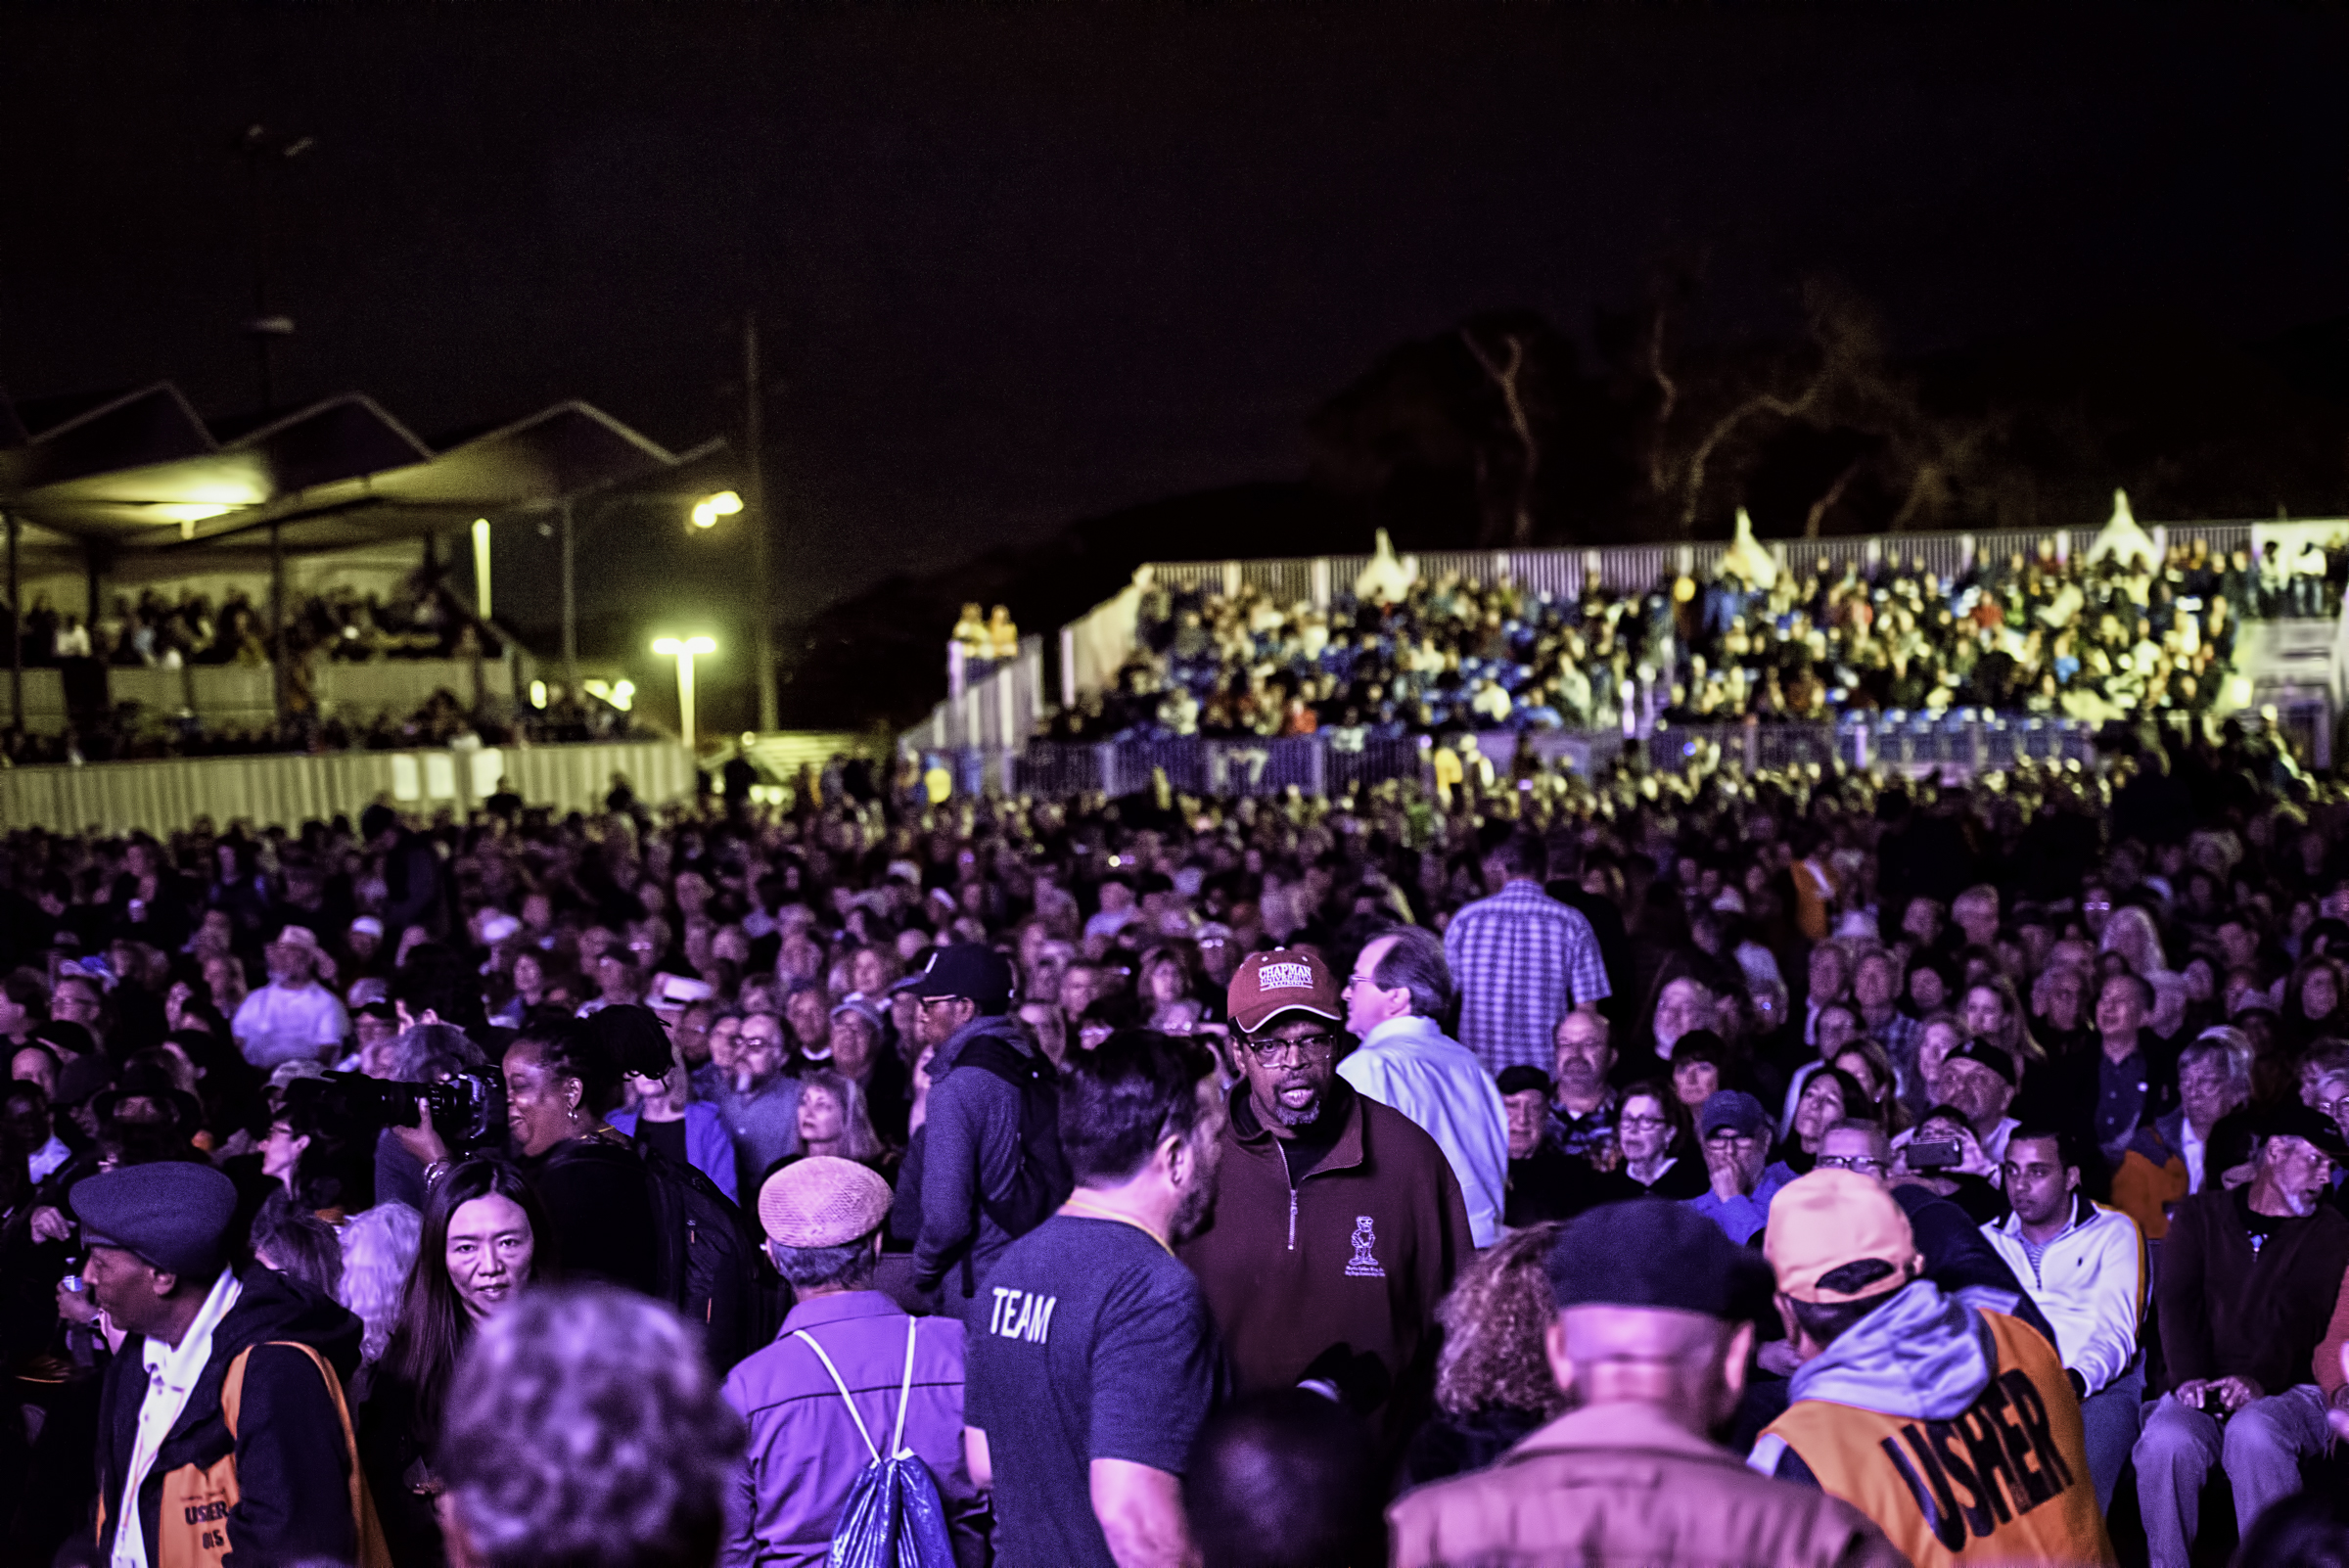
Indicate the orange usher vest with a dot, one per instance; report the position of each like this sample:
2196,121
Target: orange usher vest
2004,1482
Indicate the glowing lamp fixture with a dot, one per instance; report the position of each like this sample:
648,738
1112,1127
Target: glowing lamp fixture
710,507
683,650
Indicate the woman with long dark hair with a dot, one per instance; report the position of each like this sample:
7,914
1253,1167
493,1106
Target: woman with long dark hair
484,1239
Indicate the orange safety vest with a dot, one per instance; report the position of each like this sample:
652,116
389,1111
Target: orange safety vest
191,1526
2004,1482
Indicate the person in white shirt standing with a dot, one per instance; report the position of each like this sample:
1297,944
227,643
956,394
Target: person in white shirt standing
292,1017
2085,1265
1399,988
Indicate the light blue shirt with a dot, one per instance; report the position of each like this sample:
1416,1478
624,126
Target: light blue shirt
1410,1065
1740,1216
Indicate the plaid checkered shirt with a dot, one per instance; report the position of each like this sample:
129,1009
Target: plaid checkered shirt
1522,961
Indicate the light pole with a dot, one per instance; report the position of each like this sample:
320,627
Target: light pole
683,650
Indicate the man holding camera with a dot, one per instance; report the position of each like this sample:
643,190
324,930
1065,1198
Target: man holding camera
2247,1286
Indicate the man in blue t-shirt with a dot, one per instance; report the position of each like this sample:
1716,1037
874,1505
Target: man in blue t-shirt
1093,1359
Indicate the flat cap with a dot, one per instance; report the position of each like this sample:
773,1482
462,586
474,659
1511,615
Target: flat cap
1655,1253
822,1201
174,1215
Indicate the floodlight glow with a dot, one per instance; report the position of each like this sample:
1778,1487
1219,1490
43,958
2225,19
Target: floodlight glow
710,507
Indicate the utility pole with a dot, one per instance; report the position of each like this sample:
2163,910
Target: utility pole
261,150
762,610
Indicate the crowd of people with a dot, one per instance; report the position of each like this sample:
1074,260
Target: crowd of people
2112,639
1803,1168
421,619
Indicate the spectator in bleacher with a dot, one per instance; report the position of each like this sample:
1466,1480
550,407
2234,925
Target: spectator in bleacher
1522,959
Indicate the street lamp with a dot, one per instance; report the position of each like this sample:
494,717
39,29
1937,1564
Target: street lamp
710,507
683,649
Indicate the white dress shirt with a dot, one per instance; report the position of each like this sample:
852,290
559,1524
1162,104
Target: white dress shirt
171,1374
1410,1065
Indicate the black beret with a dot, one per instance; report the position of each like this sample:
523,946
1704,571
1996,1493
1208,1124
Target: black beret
1653,1252
1517,1079
174,1215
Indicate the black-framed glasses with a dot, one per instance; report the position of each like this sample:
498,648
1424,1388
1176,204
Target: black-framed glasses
1311,1048
1851,1161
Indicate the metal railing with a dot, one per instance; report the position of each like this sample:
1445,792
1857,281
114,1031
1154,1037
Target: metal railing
1954,744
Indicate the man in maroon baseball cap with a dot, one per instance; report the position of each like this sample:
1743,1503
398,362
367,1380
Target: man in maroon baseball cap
1339,1224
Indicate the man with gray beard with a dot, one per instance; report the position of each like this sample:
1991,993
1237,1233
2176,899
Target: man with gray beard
2247,1286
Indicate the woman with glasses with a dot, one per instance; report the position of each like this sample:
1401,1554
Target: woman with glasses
1657,1138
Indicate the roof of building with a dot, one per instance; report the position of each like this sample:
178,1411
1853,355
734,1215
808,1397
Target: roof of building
142,470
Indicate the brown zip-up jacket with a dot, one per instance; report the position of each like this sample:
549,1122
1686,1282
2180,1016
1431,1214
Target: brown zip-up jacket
1356,1255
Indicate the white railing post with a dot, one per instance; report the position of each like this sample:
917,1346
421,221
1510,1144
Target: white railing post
1317,575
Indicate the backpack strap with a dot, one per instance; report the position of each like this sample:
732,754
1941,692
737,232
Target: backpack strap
842,1384
896,1440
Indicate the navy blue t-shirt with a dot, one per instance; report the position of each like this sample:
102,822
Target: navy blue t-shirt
1087,1342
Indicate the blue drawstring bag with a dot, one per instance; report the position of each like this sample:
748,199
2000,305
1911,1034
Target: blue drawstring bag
893,1517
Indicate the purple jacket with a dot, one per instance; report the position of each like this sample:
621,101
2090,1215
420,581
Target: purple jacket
806,1455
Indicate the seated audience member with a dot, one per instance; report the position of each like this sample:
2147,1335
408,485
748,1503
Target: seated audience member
823,1395
1702,1064
2166,1161
1657,1137
1583,1106
585,1428
1958,1257
1546,1183
2085,1265
1828,1096
1742,1178
2244,1295
1977,1079
1943,1156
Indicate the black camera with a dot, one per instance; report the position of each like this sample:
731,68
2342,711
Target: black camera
468,1107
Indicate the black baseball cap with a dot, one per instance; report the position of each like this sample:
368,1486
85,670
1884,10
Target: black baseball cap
1653,1252
967,969
2291,1120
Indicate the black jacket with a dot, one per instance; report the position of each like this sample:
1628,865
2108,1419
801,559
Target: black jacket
2063,1092
293,1453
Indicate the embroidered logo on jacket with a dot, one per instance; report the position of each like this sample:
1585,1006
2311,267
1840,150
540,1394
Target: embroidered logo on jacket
1361,1265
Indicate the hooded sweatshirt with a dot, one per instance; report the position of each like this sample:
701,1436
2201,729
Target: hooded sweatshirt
971,1151
1952,1425
292,1447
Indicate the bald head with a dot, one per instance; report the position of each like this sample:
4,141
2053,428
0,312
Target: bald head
1688,1365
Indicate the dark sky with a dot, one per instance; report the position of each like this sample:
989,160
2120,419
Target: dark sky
1026,264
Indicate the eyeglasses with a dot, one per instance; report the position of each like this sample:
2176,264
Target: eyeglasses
1850,1162
1311,1048
1642,1122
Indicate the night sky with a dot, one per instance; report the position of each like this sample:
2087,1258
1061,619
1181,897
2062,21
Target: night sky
1022,265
